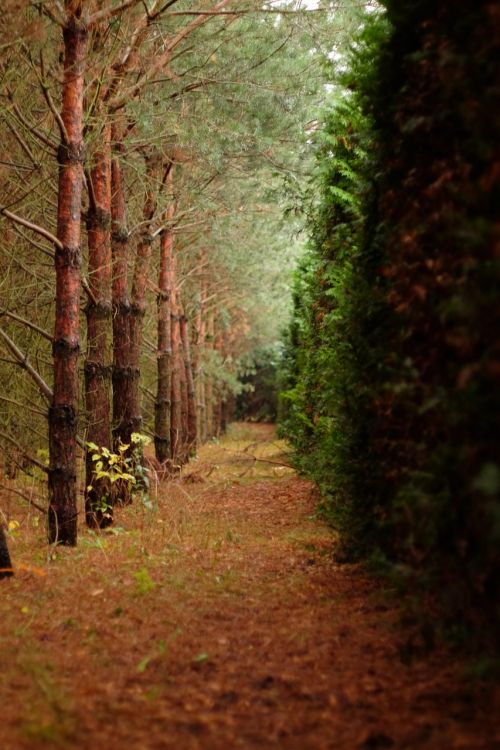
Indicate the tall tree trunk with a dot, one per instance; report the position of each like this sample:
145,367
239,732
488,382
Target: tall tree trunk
225,396
138,300
191,432
216,428
176,406
217,408
63,515
225,415
164,355
175,389
183,449
209,386
164,352
98,506
198,372
122,374
5,564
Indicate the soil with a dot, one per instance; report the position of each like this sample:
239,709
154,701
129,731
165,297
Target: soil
214,616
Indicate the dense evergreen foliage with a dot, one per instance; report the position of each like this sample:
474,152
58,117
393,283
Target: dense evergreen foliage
392,363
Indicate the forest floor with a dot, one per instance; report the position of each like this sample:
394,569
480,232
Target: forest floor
218,619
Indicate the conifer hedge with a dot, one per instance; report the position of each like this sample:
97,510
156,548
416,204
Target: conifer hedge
391,393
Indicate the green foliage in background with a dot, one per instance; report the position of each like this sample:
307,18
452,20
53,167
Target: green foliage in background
332,351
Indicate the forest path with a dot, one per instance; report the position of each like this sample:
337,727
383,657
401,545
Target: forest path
219,620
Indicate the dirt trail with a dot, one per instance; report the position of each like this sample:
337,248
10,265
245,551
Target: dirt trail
218,619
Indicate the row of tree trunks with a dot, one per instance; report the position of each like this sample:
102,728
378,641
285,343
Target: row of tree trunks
62,515
212,407
109,307
178,419
198,410
185,412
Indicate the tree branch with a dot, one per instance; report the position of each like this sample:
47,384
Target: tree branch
120,101
154,14
276,11
49,100
88,290
24,496
24,406
14,165
34,227
22,361
45,250
43,138
59,20
25,322
22,143
103,15
21,450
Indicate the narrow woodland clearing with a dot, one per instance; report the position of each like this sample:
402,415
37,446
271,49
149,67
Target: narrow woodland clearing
218,620
280,211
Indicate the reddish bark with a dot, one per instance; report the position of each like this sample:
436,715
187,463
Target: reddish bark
209,386
198,372
183,450
122,373
169,284
138,300
227,410
217,417
175,413
191,431
6,570
227,401
164,352
62,515
217,407
98,509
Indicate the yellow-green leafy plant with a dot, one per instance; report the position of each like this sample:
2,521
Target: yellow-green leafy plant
126,466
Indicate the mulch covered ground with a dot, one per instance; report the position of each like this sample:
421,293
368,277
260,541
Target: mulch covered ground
218,618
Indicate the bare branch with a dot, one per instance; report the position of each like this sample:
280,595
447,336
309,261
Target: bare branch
49,100
156,13
27,323
34,227
24,406
26,497
44,250
59,20
88,290
103,15
14,165
22,361
248,11
22,143
43,138
21,450
21,198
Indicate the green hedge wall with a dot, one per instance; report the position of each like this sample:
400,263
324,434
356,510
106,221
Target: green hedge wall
393,361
